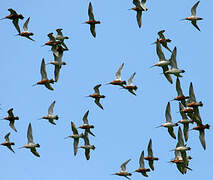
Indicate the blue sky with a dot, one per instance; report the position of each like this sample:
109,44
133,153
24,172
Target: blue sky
127,123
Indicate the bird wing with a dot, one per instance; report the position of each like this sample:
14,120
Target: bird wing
131,91
186,131
59,31
10,148
52,121
183,115
96,89
149,149
57,72
33,150
48,86
171,132
168,113
191,93
10,112
160,34
137,3
194,23
50,109
75,145
180,137
90,12
85,117
151,164
15,23
97,101
86,138
74,129
30,134
178,87
123,166
173,58
43,70
202,138
160,52
141,160
6,137
131,79
168,76
13,12
25,26
87,154
193,9
92,29
139,18
51,37
11,124
118,73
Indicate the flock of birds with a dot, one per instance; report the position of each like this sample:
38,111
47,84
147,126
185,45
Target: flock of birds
188,105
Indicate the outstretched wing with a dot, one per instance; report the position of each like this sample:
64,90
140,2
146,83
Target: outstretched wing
96,89
193,9
25,26
118,73
85,117
194,23
131,79
50,109
160,33
97,101
10,112
30,134
43,70
33,150
123,166
90,12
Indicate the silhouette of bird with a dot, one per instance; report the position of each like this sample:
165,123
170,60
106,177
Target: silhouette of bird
31,145
25,32
193,18
15,18
75,136
7,142
92,22
123,171
97,96
11,118
44,80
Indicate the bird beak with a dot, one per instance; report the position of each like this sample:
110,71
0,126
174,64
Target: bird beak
21,147
158,126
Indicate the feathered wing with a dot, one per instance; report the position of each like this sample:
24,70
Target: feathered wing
97,101
30,134
90,12
85,117
194,23
118,73
171,132
193,9
92,29
202,139
25,26
33,150
123,166
139,18
168,77
50,109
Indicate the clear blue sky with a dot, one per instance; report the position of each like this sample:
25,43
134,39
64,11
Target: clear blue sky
127,123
